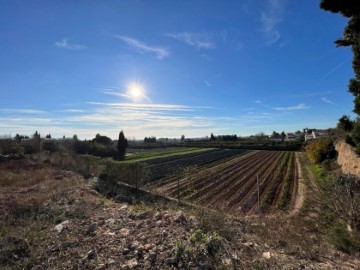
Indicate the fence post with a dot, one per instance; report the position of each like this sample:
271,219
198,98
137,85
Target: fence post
258,192
136,178
178,189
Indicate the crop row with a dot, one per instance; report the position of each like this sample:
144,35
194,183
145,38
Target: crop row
275,186
179,157
232,185
285,198
163,169
202,176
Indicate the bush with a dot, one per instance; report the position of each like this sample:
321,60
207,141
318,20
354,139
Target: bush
101,150
317,151
343,195
355,133
6,145
82,147
342,239
358,149
9,146
349,140
50,146
29,149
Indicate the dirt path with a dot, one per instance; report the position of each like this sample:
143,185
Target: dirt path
301,189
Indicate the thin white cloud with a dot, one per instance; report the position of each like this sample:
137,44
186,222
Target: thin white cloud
258,101
326,100
207,83
197,40
21,111
71,111
116,94
143,96
64,44
155,107
141,47
292,108
271,16
334,69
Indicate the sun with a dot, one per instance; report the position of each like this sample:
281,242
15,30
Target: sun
136,91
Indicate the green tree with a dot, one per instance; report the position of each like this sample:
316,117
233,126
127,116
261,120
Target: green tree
275,135
283,135
102,140
37,142
122,144
345,123
351,37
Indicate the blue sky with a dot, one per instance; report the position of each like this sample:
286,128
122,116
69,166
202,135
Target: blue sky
167,68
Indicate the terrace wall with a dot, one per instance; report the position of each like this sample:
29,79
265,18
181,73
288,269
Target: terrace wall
347,158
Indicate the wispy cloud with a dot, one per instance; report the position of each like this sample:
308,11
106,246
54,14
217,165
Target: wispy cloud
197,40
116,94
142,96
20,111
155,107
207,83
258,101
326,100
64,44
71,111
140,120
292,108
141,47
334,69
271,16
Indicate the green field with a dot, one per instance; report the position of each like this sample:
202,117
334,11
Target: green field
145,154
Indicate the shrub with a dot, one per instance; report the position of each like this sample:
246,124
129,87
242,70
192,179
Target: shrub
355,133
349,140
6,145
319,150
9,146
50,146
342,239
358,149
101,150
82,147
343,194
29,149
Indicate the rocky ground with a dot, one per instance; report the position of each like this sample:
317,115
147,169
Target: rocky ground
51,218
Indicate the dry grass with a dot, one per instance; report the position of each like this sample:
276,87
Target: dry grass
34,197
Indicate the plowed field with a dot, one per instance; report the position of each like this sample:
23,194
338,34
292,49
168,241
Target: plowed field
232,186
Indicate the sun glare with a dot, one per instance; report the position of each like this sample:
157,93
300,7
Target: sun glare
136,91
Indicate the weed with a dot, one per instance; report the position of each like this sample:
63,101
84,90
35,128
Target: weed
140,207
342,239
215,221
179,250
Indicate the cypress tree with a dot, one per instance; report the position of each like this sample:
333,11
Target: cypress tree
122,144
